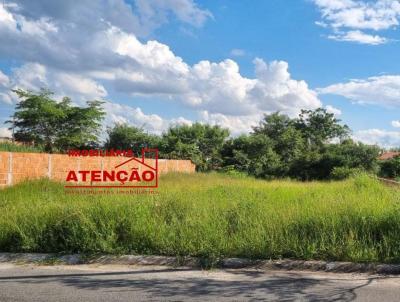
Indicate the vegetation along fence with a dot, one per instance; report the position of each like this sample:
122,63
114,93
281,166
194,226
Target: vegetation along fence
16,167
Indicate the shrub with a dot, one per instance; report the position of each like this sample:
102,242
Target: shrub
13,147
340,173
390,168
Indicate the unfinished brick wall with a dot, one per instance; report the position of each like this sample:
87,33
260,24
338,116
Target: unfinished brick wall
16,167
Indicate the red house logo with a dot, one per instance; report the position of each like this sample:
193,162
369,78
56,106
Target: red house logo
119,169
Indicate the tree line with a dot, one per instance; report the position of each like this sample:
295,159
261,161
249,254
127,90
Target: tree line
314,145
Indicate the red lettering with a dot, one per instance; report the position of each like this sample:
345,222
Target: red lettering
108,176
135,176
119,178
84,174
93,152
72,176
74,153
95,176
148,175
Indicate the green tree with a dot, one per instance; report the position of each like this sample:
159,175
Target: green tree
82,125
390,168
351,154
55,125
199,142
347,155
123,137
300,148
319,127
286,141
273,125
254,155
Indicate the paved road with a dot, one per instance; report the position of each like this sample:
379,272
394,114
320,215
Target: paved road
117,283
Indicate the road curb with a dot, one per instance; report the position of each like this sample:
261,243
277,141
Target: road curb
193,262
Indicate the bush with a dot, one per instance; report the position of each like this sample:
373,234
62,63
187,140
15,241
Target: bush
390,168
231,171
340,173
13,147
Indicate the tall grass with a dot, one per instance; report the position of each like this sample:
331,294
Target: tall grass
210,215
12,147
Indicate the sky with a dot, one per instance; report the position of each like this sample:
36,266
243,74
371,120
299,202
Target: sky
158,63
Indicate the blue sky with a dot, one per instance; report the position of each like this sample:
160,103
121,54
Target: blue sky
158,63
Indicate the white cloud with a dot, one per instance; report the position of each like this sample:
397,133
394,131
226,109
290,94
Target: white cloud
237,52
383,138
4,80
236,124
396,124
5,89
34,76
6,98
219,88
275,90
77,84
350,19
66,63
331,109
151,68
154,123
6,18
4,132
147,68
141,17
361,14
67,35
156,11
359,37
380,90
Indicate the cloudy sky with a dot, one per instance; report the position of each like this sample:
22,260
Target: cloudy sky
163,62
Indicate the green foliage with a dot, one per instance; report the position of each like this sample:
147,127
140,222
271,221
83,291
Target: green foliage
232,172
56,126
340,173
390,168
124,137
199,142
318,126
12,147
298,148
211,216
319,163
351,155
285,139
252,154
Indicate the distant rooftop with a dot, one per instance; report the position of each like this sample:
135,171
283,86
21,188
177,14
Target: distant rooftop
388,155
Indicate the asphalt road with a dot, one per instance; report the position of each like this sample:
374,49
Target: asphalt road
122,283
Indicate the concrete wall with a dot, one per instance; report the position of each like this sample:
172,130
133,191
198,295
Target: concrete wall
16,166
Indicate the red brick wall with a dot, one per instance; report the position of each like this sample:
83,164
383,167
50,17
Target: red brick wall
15,166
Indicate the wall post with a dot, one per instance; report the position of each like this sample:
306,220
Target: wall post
9,174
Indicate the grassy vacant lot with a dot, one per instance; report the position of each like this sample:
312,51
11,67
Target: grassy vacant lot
210,216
